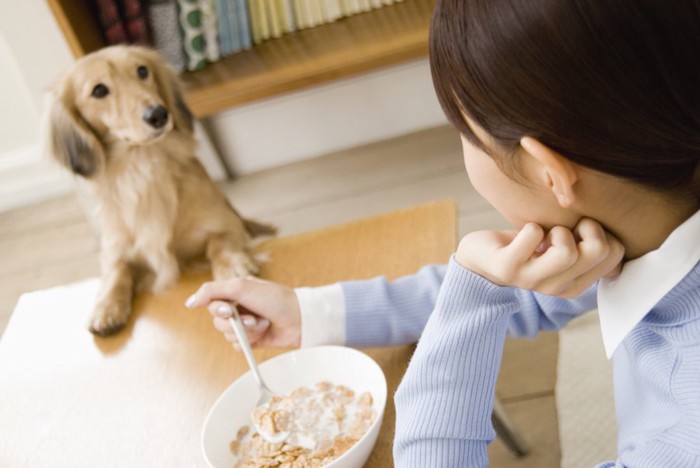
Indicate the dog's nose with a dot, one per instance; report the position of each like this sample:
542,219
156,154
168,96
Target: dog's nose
156,116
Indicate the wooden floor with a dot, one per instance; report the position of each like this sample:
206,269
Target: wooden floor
51,244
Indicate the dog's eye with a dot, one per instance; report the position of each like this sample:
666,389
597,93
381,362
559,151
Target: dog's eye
142,72
100,91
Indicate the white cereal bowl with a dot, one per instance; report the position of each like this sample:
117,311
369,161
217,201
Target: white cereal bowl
284,373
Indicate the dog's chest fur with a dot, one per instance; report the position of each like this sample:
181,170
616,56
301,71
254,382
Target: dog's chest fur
137,196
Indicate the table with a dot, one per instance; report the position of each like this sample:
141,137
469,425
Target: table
140,398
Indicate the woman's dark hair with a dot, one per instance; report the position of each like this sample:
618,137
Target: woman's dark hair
613,85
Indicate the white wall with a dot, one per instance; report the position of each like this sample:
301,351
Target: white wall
300,125
17,102
32,55
346,113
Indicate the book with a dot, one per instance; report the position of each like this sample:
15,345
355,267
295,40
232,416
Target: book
315,14
256,20
111,22
234,26
333,10
193,40
210,29
165,33
243,17
135,22
353,7
365,5
288,23
301,13
274,21
223,27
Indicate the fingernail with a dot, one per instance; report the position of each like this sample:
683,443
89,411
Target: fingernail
249,321
264,323
191,300
224,310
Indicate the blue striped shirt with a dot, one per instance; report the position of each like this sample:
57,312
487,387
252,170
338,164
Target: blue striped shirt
444,402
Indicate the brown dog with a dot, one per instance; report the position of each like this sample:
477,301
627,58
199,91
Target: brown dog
117,119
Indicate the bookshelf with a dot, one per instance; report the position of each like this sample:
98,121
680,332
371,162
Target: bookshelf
349,46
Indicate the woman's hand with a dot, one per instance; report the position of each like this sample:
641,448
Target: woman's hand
269,311
560,262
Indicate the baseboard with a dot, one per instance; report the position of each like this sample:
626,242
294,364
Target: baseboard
26,178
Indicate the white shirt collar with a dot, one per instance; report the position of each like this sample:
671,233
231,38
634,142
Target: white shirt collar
625,300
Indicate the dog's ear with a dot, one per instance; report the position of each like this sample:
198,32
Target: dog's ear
171,92
69,139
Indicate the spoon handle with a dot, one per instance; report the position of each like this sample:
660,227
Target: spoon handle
237,325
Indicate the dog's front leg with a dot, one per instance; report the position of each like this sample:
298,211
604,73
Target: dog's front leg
164,266
113,306
228,260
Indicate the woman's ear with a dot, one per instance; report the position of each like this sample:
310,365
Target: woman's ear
557,173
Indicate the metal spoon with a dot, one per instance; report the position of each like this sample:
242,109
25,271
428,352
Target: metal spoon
265,392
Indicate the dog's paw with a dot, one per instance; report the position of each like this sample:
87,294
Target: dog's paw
237,265
109,319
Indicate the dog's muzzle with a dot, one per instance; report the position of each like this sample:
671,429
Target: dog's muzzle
156,116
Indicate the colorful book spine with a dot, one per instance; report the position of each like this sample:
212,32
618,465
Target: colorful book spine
111,22
234,26
193,40
264,19
301,14
135,21
287,13
316,15
224,30
243,17
274,21
210,29
333,10
365,5
353,7
165,31
255,12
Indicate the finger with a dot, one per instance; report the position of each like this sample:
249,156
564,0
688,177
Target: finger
220,309
222,324
223,290
558,258
588,228
256,332
596,247
477,249
231,337
609,267
251,324
603,260
525,243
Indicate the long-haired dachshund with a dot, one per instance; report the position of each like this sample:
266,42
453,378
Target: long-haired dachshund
118,120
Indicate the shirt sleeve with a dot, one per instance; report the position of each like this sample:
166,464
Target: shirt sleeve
322,315
538,312
444,402
379,312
